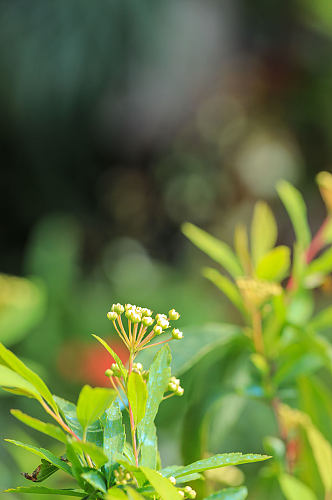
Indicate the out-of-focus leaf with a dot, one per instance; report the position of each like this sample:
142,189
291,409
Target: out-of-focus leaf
197,343
114,435
114,355
274,265
95,452
220,461
225,285
322,320
162,485
22,305
137,395
295,361
294,489
42,453
300,308
242,248
214,248
43,471
239,493
133,494
321,448
116,494
48,429
297,211
264,231
11,380
323,263
159,376
41,490
19,367
95,479
92,403
315,399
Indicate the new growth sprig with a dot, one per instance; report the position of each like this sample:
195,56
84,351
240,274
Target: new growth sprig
98,457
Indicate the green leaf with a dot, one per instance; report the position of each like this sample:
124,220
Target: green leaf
114,435
214,248
114,355
42,453
48,429
95,479
323,263
137,395
19,367
264,231
95,452
242,247
322,320
197,343
43,471
159,376
116,494
293,488
162,486
22,309
239,493
11,380
274,265
225,285
92,403
68,410
220,461
297,211
41,490
133,494
76,465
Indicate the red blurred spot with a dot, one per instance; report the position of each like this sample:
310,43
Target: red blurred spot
87,363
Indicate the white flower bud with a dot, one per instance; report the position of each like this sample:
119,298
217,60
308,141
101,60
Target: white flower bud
181,493
160,316
173,315
177,334
164,323
146,311
172,480
118,308
179,391
190,492
147,321
112,315
157,330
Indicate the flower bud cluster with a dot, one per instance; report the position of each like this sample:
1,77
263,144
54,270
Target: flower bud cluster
122,476
187,492
174,386
114,371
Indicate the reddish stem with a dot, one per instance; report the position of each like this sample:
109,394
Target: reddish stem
132,422
58,419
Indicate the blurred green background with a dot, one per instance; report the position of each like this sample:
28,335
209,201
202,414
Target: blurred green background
121,120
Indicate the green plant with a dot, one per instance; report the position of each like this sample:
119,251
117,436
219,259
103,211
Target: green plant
286,352
93,433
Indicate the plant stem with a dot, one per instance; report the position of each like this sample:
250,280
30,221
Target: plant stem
58,419
257,331
131,416
157,343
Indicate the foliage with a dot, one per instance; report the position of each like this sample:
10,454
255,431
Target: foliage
286,360
98,458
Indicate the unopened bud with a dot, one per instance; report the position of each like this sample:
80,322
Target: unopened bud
164,323
109,373
147,321
157,330
160,316
177,334
190,492
181,493
179,391
146,312
173,315
112,315
118,308
172,479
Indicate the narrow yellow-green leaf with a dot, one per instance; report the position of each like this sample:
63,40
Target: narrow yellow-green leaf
19,367
216,249
92,403
13,382
323,263
241,246
137,395
41,490
264,231
225,285
294,489
297,211
116,494
161,484
274,265
45,428
133,494
114,356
